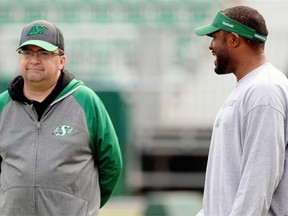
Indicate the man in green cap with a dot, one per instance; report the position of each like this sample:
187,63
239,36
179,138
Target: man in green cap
247,174
59,152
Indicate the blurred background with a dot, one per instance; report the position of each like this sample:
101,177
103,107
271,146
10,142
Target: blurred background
157,80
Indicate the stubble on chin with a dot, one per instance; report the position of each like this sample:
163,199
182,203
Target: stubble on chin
35,76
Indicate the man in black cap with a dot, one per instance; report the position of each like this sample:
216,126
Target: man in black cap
59,151
247,174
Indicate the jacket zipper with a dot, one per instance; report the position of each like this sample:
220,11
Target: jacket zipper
38,131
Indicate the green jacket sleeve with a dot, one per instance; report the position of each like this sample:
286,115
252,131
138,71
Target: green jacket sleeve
103,142
107,155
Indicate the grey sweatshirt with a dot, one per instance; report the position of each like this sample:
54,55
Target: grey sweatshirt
66,163
247,174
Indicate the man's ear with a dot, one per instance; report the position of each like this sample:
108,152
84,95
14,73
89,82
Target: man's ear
235,39
62,61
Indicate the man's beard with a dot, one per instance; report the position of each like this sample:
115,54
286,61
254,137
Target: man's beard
223,61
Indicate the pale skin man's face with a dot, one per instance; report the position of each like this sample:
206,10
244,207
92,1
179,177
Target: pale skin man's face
41,71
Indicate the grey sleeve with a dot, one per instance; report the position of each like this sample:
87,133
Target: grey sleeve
262,160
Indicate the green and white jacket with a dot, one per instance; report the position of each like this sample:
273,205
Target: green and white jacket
66,163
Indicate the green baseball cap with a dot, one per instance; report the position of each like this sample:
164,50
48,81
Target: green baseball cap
222,22
43,34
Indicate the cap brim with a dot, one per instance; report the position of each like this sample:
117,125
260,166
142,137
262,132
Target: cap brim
206,30
43,44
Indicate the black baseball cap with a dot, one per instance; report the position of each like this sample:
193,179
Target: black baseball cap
43,34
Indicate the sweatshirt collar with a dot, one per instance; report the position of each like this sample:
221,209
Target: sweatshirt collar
15,88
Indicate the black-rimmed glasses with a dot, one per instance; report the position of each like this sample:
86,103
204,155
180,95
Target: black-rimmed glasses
42,54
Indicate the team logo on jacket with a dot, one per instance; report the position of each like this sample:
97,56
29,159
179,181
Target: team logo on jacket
63,130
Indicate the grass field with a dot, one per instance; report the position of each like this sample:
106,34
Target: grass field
172,203
121,212
123,206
